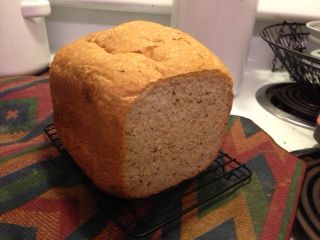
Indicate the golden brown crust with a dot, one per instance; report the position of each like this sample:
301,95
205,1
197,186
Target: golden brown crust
95,80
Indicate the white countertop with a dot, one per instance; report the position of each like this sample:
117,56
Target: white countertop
287,135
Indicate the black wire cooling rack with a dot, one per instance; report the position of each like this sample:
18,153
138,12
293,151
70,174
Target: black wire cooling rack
141,217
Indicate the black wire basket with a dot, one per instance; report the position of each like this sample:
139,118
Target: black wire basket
288,42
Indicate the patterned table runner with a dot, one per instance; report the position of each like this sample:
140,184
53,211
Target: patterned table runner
43,196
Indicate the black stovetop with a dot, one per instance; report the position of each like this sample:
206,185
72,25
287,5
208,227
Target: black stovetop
307,222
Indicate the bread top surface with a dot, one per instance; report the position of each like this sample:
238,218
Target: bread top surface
126,59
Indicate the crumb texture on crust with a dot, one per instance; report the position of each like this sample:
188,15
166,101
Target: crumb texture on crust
100,80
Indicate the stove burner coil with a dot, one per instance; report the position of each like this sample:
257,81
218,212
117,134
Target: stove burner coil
307,222
290,102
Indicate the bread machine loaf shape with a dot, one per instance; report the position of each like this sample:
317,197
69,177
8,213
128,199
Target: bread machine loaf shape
140,107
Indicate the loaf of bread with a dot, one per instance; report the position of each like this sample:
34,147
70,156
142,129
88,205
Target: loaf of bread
140,107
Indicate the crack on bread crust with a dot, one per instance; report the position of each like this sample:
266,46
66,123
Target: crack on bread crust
176,53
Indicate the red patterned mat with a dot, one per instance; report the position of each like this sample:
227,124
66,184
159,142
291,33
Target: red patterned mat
43,195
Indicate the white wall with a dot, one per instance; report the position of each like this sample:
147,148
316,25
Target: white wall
71,19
